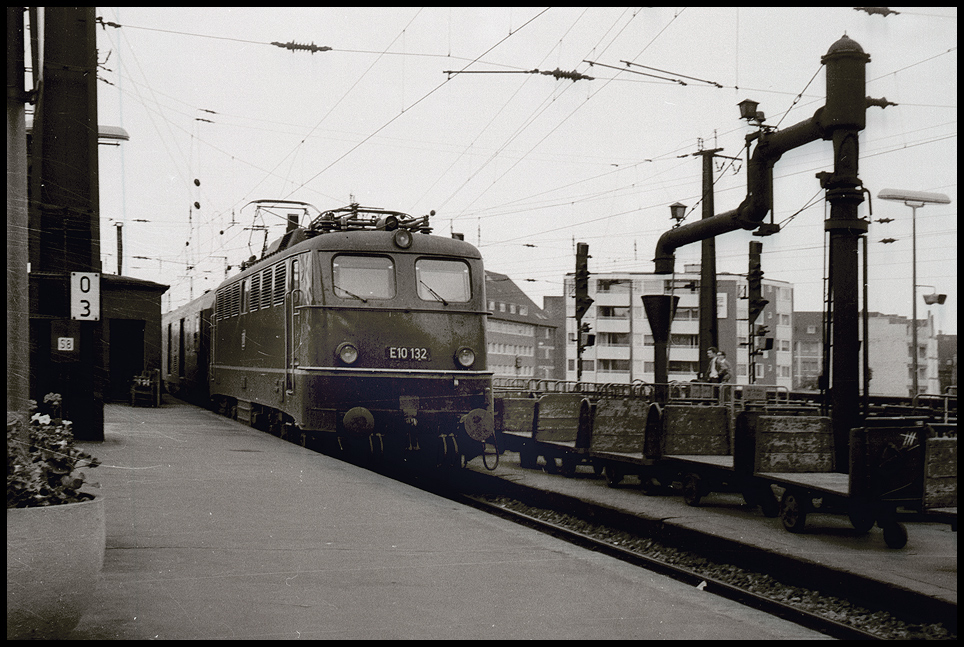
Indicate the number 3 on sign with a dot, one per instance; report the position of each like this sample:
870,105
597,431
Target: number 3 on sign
85,296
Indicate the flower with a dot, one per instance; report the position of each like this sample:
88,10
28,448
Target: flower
46,470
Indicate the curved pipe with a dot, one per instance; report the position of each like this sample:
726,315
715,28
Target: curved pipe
759,182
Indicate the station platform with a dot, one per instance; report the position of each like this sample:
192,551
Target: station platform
217,530
927,564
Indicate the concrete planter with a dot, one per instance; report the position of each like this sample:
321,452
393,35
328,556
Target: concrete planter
54,557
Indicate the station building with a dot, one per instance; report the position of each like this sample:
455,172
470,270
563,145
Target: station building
624,346
522,338
891,359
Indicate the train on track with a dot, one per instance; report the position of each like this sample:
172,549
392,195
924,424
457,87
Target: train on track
359,330
773,447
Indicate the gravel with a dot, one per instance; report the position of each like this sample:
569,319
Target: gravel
879,623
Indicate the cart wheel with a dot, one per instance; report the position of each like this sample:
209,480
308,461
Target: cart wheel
793,511
692,489
568,467
762,495
649,485
769,505
613,475
551,467
895,535
861,518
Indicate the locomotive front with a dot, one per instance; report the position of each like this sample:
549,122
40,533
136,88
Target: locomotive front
387,343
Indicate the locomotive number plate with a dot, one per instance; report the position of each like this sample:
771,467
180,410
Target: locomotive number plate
408,353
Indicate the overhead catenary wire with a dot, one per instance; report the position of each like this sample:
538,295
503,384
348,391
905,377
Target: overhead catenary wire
646,182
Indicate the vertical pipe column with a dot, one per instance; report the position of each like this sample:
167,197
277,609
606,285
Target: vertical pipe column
843,118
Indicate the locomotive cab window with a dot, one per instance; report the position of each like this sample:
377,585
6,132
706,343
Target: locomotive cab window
443,280
363,277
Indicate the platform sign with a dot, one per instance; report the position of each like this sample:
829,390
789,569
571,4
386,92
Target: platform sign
85,296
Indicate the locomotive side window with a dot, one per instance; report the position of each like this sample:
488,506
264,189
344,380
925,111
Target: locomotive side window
363,277
443,280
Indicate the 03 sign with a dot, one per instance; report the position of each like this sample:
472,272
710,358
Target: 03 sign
85,296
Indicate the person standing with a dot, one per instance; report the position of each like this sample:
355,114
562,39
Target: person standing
719,370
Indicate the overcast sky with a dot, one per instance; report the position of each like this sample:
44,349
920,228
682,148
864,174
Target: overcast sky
523,164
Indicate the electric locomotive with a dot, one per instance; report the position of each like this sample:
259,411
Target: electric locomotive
362,329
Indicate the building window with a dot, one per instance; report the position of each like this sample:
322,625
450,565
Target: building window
677,366
687,314
613,312
613,286
811,330
614,366
613,339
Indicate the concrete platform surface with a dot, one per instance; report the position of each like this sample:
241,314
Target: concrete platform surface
216,530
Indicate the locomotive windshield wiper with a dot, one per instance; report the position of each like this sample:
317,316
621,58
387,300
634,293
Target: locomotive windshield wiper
351,294
434,293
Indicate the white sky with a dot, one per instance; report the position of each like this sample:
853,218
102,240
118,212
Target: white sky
522,164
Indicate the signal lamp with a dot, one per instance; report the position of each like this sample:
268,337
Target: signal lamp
465,357
403,238
347,353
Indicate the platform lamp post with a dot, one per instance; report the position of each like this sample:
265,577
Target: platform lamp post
914,200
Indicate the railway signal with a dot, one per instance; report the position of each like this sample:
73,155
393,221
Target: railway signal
754,277
583,301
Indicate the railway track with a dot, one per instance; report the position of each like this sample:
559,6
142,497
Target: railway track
588,537
777,585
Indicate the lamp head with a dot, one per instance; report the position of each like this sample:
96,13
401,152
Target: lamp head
677,212
900,195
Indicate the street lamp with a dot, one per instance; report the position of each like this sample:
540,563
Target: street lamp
914,200
677,212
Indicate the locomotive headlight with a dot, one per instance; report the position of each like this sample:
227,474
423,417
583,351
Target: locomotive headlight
403,238
465,357
347,353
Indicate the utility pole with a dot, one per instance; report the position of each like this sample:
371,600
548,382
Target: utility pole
709,329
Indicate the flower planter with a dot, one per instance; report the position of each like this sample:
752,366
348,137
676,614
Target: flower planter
54,557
